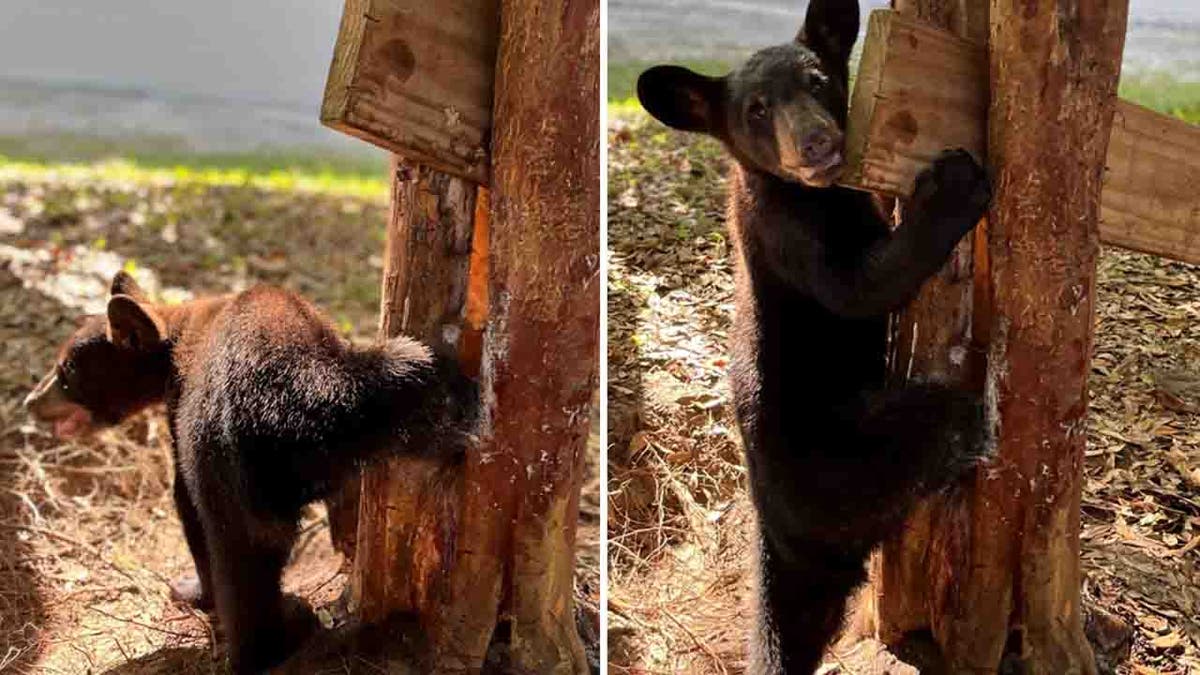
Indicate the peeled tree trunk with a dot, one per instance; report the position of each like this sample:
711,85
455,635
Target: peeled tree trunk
994,573
510,282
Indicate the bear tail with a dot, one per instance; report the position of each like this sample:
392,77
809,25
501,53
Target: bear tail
421,400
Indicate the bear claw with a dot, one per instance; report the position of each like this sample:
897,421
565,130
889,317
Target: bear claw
187,590
955,187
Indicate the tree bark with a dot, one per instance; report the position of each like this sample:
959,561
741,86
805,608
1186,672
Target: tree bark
541,346
995,576
931,339
407,508
491,543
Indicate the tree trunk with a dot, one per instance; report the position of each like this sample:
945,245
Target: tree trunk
541,347
492,542
995,576
931,339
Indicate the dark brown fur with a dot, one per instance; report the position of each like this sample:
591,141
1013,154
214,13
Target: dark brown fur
269,409
835,459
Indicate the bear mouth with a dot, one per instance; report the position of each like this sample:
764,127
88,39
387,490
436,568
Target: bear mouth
75,424
821,173
47,403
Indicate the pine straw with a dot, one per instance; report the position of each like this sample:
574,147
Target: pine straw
679,522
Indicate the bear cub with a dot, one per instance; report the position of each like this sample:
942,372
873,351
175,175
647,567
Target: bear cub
269,409
836,459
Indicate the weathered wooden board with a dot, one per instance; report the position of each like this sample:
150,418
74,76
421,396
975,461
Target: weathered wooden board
1151,198
921,90
415,77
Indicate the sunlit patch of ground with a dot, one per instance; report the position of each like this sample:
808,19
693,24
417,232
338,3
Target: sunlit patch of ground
680,525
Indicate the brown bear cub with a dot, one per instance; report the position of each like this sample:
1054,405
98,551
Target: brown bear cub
836,459
268,408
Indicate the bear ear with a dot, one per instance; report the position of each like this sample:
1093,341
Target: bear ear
830,29
124,284
680,98
134,325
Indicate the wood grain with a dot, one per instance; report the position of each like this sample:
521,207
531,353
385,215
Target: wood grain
540,352
415,77
1151,198
935,339
408,508
921,89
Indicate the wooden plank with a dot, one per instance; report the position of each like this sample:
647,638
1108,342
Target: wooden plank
921,89
415,77
1151,198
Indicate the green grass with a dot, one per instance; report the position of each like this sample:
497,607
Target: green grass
165,151
157,157
1162,92
622,76
256,173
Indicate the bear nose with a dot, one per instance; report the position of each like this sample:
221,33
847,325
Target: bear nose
818,145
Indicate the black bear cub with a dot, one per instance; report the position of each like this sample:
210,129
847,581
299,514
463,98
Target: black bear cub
836,460
269,408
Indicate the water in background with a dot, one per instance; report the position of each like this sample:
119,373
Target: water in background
1163,34
169,76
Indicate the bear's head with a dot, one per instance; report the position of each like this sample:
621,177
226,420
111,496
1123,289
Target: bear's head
783,111
111,367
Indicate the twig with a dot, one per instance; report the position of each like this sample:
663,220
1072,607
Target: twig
367,663
141,624
120,648
720,664
325,583
208,629
52,535
37,515
837,657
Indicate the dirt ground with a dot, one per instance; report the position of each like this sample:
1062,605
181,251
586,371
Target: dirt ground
88,532
679,520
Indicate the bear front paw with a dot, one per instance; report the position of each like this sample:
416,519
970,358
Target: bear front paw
187,590
954,192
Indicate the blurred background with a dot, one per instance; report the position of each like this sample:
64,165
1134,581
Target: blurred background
1162,49
215,83
179,141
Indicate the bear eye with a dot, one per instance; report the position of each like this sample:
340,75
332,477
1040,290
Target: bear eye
758,110
65,373
817,82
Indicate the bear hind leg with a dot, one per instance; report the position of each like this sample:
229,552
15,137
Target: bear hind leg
194,590
801,600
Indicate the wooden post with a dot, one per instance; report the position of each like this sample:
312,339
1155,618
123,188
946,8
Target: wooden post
1002,575
408,509
930,340
542,340
491,543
